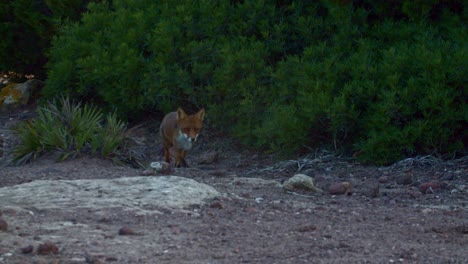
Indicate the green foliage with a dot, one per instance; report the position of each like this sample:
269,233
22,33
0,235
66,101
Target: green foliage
385,78
70,130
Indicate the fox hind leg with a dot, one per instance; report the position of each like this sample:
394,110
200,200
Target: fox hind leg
167,152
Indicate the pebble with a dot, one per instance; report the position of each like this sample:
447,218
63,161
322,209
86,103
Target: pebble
209,157
217,205
250,210
47,248
414,193
383,179
404,179
160,166
307,228
126,231
3,224
371,190
340,188
27,249
429,187
148,173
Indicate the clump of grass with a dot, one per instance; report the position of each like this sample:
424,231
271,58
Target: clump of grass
70,130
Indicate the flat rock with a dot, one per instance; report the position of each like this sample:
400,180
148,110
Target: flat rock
170,192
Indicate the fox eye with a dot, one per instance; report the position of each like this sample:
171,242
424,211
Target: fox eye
188,130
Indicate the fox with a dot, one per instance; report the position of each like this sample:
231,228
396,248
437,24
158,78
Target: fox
180,130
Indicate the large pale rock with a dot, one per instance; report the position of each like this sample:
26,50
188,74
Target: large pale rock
131,192
19,94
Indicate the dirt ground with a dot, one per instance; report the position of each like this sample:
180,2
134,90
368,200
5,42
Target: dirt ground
385,219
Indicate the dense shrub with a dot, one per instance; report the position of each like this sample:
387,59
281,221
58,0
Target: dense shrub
383,78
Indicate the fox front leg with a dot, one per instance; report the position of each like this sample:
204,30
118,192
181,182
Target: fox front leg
180,158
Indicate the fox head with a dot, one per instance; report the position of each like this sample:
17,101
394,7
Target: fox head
189,127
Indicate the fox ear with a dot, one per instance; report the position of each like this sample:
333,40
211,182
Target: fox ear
181,114
201,114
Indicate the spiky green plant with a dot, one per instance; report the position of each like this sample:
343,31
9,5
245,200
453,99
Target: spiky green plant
70,130
79,124
116,141
111,136
31,146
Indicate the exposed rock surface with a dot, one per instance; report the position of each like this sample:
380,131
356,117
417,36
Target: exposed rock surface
130,192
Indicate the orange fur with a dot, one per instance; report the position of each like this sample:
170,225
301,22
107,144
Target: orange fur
180,130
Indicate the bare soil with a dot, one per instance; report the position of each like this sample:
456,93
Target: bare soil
386,218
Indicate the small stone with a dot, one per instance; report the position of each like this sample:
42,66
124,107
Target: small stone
217,205
340,188
94,259
307,228
126,231
104,220
383,179
246,195
371,190
414,194
47,248
209,157
427,211
160,166
250,210
148,173
429,187
405,179
3,224
27,249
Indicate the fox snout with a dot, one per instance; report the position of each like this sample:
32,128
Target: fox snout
192,138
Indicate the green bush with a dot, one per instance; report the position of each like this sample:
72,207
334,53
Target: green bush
383,78
70,130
